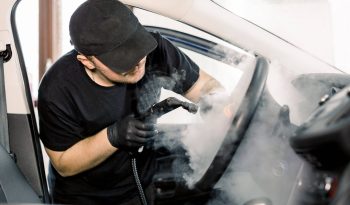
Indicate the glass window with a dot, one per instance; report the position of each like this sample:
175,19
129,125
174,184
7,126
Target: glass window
319,27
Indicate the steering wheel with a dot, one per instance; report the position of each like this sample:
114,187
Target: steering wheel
239,125
171,191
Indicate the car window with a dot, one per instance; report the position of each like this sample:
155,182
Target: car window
319,27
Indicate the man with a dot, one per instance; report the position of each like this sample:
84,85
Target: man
88,100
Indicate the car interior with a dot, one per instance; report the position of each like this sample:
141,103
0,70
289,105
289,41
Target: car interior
27,161
298,167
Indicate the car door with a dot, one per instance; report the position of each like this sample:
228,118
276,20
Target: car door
22,175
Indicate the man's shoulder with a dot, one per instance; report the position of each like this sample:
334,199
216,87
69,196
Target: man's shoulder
164,45
62,67
67,60
59,73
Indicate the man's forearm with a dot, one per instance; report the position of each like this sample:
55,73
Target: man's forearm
83,155
205,85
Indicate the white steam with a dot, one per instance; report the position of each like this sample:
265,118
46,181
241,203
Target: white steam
264,166
198,139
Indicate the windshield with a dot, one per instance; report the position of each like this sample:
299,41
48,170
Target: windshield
318,27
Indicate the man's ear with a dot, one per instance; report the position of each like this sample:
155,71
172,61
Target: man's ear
85,61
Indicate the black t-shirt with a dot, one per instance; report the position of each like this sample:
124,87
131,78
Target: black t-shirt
72,107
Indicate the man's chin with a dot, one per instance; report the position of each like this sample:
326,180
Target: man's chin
135,79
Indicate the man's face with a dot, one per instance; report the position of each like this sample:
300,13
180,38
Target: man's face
131,76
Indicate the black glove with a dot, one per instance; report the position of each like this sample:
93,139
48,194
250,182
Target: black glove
130,133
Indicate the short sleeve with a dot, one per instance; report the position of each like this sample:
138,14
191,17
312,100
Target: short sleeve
58,130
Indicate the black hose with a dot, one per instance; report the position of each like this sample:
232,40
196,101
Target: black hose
137,181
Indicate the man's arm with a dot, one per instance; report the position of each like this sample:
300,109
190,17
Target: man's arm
128,133
205,85
83,155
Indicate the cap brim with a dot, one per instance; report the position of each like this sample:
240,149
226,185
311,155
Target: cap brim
128,54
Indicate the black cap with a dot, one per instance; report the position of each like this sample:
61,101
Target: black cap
109,30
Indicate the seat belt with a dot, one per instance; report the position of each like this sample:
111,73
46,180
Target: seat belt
5,55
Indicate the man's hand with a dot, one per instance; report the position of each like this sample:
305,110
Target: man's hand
130,133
